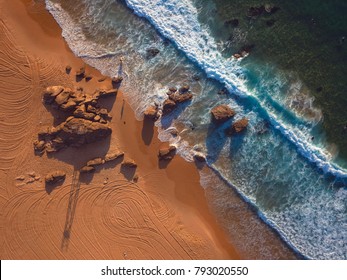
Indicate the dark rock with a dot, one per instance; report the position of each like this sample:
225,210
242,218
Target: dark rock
319,89
68,69
167,153
181,97
196,77
233,22
55,177
172,89
184,89
223,91
88,78
117,80
255,11
168,106
199,157
136,178
270,22
152,52
222,113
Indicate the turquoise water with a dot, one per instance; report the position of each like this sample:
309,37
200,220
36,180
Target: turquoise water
276,165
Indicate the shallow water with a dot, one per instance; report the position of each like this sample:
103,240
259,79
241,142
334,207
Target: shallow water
275,165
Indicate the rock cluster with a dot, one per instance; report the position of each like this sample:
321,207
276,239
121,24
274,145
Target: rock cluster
86,123
176,97
152,112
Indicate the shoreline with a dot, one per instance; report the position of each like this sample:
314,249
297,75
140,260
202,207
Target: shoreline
194,226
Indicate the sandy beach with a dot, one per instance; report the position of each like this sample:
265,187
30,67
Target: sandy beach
162,216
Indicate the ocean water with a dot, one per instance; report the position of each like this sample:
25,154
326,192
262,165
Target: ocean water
282,164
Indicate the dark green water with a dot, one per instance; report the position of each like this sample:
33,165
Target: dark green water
305,39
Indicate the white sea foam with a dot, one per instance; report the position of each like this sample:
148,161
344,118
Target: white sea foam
178,21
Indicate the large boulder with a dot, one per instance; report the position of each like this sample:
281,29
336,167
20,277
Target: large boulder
222,113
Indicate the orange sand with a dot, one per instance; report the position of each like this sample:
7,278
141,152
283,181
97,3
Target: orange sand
163,216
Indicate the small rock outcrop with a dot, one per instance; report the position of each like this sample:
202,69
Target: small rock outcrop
55,177
167,153
87,122
152,113
113,156
95,162
199,157
152,52
222,113
129,163
237,126
87,169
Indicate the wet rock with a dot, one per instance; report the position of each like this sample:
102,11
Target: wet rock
237,126
113,156
167,153
116,81
87,169
270,22
196,77
168,106
181,97
222,113
95,161
55,177
152,113
199,157
152,52
184,89
223,91
172,89
232,22
68,69
129,163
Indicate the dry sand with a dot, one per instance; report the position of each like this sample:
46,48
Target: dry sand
163,216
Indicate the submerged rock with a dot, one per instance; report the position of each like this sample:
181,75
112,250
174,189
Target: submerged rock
222,113
152,52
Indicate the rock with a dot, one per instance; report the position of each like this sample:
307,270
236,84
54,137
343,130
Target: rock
95,161
81,72
223,91
81,112
129,163
63,97
255,11
152,52
237,126
270,22
20,178
151,113
167,153
196,77
136,178
184,89
168,106
117,80
172,89
55,177
101,79
199,157
37,178
106,93
271,9
68,69
233,22
113,156
103,113
88,77
68,106
181,97
237,55
319,89
222,113
91,109
51,92
87,169
97,118
39,146
32,174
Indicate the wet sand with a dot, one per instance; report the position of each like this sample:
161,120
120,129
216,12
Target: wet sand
107,216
